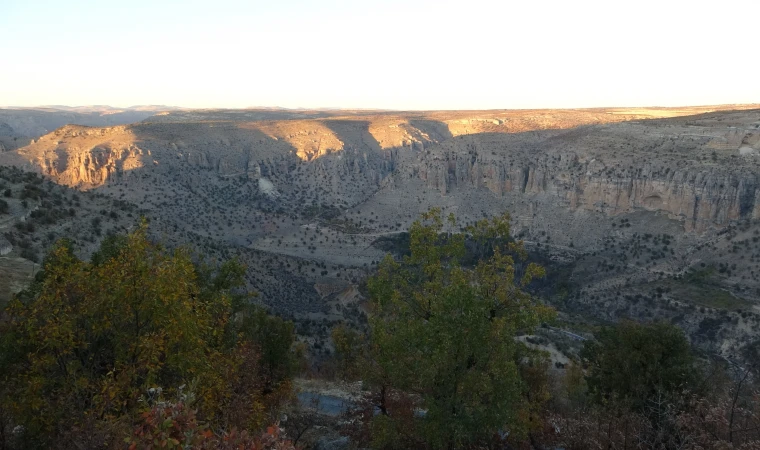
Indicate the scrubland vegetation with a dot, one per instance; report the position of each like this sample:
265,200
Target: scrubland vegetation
143,346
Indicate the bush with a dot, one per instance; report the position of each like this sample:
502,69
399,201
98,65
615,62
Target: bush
30,254
635,362
175,425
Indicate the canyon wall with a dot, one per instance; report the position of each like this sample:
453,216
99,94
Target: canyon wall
701,170
700,197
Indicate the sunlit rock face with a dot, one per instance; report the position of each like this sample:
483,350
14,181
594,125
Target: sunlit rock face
701,170
82,156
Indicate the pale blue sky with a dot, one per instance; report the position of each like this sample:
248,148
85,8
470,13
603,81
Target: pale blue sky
412,54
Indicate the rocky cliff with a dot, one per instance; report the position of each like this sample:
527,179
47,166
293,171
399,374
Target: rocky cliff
611,169
701,170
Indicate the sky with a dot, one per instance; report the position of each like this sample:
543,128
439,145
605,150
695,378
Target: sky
393,54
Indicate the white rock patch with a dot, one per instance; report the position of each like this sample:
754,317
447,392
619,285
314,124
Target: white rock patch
266,187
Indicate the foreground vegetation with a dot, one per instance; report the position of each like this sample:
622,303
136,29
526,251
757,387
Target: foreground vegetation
94,352
143,347
447,370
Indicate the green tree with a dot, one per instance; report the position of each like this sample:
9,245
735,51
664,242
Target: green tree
275,338
634,363
444,332
350,349
86,342
110,248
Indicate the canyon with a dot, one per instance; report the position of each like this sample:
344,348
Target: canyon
618,203
701,171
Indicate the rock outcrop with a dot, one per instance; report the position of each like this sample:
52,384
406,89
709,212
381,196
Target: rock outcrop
672,173
700,197
5,246
701,170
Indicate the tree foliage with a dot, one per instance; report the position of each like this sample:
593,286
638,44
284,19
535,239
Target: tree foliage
350,351
634,363
88,339
275,338
444,333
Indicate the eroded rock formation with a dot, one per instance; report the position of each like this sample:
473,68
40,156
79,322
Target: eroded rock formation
701,170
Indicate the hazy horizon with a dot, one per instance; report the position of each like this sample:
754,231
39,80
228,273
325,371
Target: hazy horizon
369,109
389,55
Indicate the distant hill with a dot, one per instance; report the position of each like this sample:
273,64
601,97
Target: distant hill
19,125
87,109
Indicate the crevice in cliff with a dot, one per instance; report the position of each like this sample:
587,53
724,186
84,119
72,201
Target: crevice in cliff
746,200
695,213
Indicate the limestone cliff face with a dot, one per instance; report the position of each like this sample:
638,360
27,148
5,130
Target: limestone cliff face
701,170
701,197
93,167
82,156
